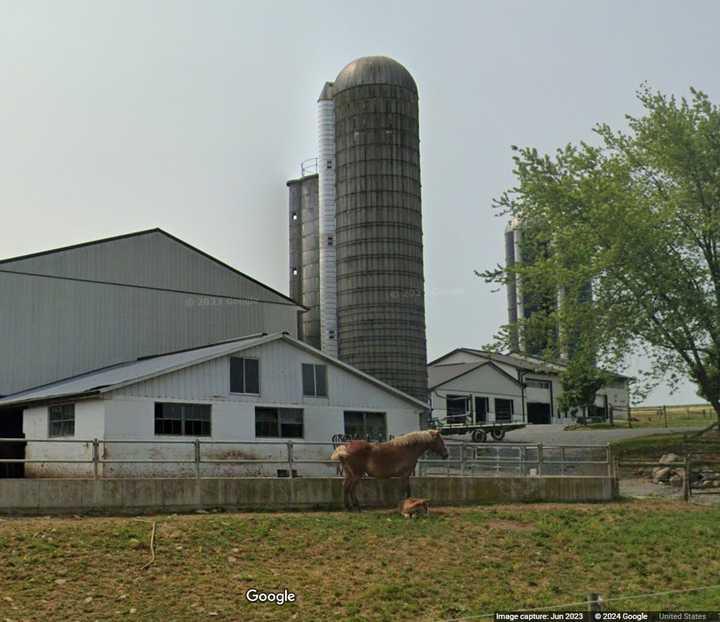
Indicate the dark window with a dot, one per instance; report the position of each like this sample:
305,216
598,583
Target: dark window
61,420
314,379
244,375
182,419
503,410
365,425
481,409
278,422
458,406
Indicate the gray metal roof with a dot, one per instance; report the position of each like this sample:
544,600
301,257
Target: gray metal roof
123,374
373,70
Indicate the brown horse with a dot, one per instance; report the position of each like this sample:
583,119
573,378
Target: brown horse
396,458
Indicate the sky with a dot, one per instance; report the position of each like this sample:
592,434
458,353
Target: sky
119,116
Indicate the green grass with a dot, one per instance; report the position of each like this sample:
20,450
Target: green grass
655,445
691,416
372,566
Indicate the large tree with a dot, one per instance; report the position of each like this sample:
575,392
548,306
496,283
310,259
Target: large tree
637,216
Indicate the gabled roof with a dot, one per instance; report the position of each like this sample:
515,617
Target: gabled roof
442,374
132,372
517,360
14,265
514,360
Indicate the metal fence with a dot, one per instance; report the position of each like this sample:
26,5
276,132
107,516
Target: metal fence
199,458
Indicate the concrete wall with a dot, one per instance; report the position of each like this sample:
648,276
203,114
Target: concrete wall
129,496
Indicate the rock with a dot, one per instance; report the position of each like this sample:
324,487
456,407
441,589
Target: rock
669,458
707,484
676,480
661,474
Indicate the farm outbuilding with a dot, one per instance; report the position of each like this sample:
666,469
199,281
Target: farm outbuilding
471,378
229,395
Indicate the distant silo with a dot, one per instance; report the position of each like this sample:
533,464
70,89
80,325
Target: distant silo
379,247
304,252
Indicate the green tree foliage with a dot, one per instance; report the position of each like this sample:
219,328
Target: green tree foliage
638,217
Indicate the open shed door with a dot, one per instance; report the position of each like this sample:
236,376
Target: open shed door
11,426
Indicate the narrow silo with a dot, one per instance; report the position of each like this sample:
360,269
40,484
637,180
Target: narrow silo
304,252
378,229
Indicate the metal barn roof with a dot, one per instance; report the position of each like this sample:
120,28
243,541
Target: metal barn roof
132,372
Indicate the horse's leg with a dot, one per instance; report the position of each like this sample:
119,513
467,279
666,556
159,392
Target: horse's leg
347,491
353,494
406,485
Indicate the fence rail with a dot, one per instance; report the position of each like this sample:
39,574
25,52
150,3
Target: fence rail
465,459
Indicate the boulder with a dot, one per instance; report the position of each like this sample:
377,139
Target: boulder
669,458
662,474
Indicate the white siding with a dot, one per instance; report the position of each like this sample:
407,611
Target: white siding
128,413
89,424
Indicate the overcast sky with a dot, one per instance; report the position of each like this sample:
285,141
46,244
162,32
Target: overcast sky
191,115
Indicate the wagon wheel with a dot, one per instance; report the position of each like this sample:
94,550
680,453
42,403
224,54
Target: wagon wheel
498,434
479,436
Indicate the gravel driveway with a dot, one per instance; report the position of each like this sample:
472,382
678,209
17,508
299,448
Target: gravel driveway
556,435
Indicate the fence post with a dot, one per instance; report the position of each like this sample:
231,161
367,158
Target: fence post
539,458
594,602
665,415
95,457
610,463
462,459
562,461
196,444
686,483
290,458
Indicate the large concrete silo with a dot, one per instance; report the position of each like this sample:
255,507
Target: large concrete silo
378,236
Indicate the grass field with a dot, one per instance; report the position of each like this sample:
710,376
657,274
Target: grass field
373,566
690,416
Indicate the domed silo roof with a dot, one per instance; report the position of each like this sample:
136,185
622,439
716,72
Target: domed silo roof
374,70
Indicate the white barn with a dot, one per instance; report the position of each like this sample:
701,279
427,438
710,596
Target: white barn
270,388
475,377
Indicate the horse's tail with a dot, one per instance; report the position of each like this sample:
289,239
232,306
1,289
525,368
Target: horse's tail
340,454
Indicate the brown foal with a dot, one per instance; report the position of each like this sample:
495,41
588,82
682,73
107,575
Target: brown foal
396,458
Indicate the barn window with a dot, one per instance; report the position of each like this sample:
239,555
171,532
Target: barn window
244,375
182,419
314,379
365,425
278,422
61,420
458,407
503,409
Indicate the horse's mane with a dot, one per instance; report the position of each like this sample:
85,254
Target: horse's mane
413,438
